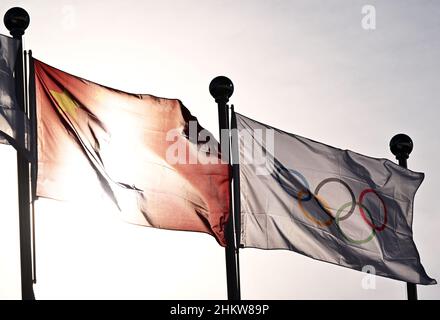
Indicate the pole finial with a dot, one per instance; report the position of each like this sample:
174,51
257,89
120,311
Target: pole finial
16,21
401,146
221,88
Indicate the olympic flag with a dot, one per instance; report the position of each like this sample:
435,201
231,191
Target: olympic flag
329,204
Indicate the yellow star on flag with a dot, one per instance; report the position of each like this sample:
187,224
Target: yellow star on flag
65,102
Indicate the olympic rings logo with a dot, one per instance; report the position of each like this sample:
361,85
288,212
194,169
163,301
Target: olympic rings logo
299,188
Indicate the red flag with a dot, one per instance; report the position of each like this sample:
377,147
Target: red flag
138,148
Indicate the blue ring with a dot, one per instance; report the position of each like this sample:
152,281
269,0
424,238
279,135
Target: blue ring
290,190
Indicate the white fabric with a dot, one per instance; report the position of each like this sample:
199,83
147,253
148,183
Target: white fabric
290,200
12,120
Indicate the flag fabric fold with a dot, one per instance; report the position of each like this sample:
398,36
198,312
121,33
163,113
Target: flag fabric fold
136,148
329,204
14,124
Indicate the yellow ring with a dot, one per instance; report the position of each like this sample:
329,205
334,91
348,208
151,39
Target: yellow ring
320,223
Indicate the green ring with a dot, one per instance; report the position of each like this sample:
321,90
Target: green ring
373,232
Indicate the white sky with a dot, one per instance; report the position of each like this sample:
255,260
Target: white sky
307,67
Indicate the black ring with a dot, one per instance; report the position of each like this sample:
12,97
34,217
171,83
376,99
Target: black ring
353,199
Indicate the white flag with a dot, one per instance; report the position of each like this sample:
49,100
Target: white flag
329,204
12,119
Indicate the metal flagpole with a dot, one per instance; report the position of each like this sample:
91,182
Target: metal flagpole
32,107
16,21
236,179
401,146
221,88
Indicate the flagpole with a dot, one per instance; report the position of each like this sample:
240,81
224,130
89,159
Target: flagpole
16,21
32,109
401,146
221,88
236,179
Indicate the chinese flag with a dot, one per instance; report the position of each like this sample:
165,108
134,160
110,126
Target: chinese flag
143,151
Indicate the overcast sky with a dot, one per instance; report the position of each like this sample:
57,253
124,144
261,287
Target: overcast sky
307,67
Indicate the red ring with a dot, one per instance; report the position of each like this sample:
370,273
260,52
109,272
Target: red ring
370,223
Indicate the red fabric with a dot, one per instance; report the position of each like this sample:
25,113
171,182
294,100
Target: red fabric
93,136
